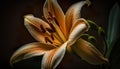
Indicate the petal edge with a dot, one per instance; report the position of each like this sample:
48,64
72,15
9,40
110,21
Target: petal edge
52,58
30,50
88,52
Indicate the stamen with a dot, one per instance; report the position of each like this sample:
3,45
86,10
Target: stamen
48,40
50,14
52,37
50,19
53,28
50,30
56,21
42,28
45,19
35,28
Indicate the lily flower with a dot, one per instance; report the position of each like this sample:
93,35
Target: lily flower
57,33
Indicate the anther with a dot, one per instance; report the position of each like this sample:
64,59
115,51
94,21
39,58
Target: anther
50,19
45,19
52,37
53,28
50,14
50,30
42,28
48,40
35,28
56,21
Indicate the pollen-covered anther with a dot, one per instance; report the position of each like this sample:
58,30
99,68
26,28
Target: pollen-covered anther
50,14
52,37
47,40
53,28
56,21
50,19
42,29
50,30
45,19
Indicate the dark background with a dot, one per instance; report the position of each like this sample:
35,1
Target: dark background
14,34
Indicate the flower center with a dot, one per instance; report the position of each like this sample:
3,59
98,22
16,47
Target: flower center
55,30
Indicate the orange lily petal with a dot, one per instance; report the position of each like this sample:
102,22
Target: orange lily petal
88,52
77,29
38,29
52,58
51,7
73,14
30,50
47,8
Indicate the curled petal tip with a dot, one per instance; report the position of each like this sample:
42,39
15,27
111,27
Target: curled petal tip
28,15
88,2
87,24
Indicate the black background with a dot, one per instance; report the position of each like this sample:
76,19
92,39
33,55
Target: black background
14,34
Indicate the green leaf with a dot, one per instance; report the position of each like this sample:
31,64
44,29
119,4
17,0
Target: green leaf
113,27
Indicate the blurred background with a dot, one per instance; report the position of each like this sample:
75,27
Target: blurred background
14,33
